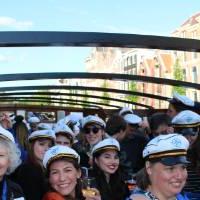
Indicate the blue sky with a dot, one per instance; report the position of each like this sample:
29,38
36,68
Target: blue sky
128,16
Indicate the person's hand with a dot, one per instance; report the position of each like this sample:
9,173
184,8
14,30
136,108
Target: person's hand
93,196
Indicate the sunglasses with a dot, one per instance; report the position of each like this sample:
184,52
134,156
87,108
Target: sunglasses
93,129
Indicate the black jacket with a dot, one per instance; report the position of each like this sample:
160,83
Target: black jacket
32,180
13,190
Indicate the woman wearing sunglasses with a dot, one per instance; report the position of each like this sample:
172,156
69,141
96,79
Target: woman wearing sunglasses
187,123
93,131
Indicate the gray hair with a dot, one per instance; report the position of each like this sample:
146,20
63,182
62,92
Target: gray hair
14,154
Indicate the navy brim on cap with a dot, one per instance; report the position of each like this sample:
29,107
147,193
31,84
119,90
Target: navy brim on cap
170,161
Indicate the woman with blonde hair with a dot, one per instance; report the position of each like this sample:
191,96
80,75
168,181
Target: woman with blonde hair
9,161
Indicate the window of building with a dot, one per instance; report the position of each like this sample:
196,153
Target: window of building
194,34
183,34
184,74
194,74
195,96
195,55
184,56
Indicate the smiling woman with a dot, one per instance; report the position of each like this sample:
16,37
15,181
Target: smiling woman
9,160
106,170
165,173
63,171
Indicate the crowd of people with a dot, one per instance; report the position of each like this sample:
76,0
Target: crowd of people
123,157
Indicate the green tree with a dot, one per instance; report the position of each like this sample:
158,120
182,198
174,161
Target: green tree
85,99
105,94
133,88
178,75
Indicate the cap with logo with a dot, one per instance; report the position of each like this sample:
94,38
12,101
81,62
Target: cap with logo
6,135
44,126
50,134
58,152
181,100
92,119
186,118
125,110
132,119
32,120
170,149
63,128
106,144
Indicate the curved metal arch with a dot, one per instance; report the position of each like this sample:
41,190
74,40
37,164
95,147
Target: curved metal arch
76,95
104,76
91,39
49,87
46,101
60,100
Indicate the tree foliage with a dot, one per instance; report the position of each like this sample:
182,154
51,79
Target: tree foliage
178,75
133,88
105,94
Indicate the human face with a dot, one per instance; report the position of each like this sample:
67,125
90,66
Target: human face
63,140
91,136
108,162
120,135
63,177
4,161
34,126
191,138
131,129
171,111
166,181
164,129
40,146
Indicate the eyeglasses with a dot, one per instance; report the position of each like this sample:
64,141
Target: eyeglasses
93,129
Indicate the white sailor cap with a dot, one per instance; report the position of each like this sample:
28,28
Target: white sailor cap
125,110
6,134
186,119
44,126
33,120
63,128
106,144
132,119
181,99
168,149
58,152
42,134
92,119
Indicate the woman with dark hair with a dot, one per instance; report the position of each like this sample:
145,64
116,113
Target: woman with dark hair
30,175
165,173
179,103
63,171
21,134
106,170
116,128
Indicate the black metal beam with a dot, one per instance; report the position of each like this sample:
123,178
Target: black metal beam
59,100
75,95
50,102
93,39
58,87
104,76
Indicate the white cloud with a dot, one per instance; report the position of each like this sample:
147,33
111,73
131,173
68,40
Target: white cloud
13,23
